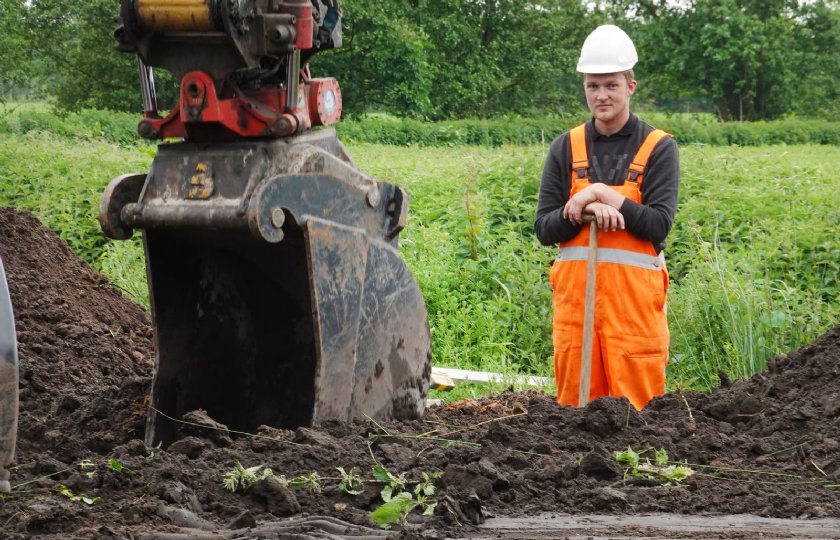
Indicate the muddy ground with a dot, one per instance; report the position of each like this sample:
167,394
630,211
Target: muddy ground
768,446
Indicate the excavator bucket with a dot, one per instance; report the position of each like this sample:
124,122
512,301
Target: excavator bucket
8,383
278,297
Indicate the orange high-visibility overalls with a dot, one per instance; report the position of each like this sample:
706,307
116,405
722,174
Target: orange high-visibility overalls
630,343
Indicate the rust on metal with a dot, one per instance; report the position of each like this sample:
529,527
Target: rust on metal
175,15
201,183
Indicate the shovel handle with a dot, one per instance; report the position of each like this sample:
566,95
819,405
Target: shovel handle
588,313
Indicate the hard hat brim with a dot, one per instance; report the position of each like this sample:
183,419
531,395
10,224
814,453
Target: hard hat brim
605,68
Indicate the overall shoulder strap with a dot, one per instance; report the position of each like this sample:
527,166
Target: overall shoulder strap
637,167
580,159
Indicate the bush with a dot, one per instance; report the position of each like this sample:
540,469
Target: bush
111,126
495,133
686,128
121,128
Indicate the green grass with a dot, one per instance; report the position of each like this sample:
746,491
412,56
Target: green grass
61,180
753,256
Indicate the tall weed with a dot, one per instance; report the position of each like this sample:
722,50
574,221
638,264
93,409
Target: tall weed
116,127
729,315
119,261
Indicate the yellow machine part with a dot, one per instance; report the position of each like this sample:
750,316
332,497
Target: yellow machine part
175,15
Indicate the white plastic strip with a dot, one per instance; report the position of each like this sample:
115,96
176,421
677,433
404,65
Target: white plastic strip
463,375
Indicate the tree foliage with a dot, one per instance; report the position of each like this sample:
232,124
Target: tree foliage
817,93
750,58
379,38
91,73
443,59
14,68
67,49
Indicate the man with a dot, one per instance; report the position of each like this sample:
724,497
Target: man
626,174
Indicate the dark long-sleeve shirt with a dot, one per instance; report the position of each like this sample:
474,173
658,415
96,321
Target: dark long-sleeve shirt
609,159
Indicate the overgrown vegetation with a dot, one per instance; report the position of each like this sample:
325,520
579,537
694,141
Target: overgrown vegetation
751,261
752,256
90,125
61,180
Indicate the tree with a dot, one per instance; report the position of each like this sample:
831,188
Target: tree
816,91
15,67
436,59
384,63
448,58
79,43
78,63
741,55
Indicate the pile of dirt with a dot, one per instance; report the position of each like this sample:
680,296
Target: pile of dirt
85,352
767,446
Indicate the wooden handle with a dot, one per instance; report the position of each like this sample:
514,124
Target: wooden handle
588,314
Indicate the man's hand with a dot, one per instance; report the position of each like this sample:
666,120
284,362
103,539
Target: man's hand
573,211
607,217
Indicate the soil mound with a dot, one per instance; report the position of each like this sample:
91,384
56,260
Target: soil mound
85,351
766,446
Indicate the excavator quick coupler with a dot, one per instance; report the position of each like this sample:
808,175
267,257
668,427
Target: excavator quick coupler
277,294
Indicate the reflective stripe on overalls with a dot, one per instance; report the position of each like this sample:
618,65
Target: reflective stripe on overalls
630,344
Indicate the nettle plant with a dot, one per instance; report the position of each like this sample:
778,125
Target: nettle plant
400,500
351,483
89,469
661,468
400,496
241,479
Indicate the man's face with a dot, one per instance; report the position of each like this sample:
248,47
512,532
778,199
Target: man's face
608,95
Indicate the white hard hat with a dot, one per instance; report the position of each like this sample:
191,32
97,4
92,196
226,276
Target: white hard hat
608,49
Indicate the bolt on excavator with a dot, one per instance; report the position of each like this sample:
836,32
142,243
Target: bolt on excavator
277,293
